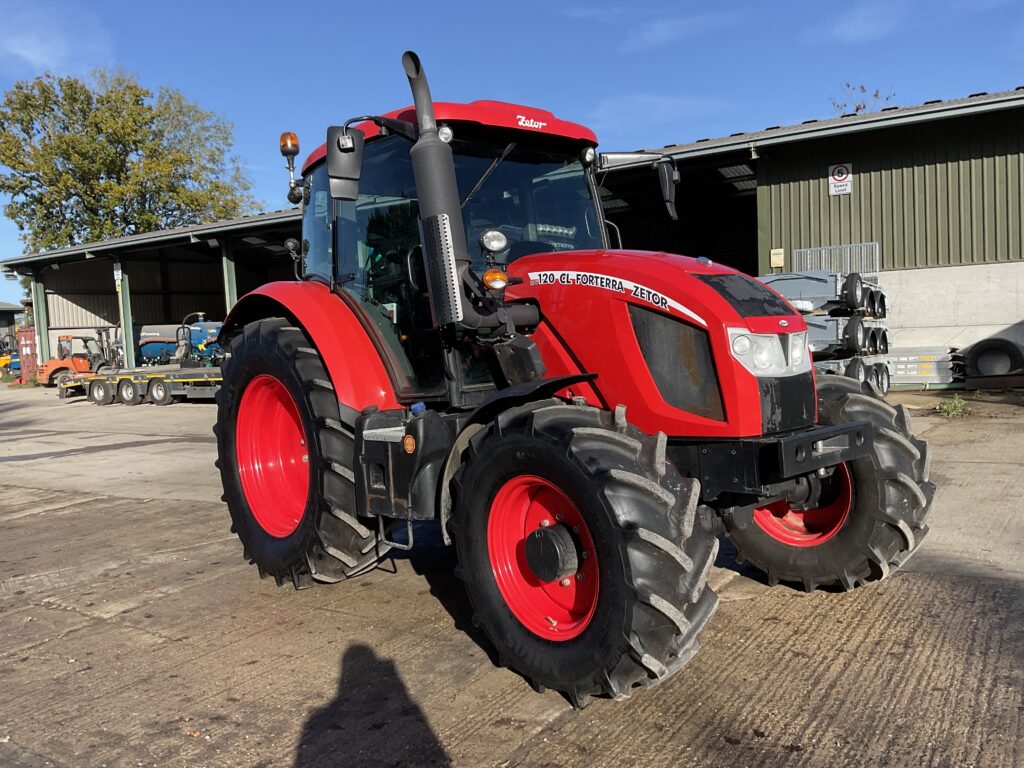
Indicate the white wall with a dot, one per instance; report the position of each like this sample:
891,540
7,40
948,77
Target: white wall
956,306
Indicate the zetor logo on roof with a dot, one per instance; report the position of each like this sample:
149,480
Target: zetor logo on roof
529,122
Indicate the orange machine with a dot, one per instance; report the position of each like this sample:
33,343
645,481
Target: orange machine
75,354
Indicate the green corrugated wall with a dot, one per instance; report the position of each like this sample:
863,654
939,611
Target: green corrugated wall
941,193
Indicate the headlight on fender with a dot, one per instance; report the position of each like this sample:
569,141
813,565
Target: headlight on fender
770,354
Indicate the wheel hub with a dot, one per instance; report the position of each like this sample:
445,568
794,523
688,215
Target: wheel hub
551,553
273,460
814,520
548,597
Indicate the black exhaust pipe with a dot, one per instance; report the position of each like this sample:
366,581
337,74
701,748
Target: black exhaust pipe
446,253
447,256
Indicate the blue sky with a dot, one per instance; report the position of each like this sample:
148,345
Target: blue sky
638,73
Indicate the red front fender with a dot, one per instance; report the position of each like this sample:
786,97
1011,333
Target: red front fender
357,372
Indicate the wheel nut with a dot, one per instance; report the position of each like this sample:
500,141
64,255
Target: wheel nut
545,523
580,576
565,582
584,554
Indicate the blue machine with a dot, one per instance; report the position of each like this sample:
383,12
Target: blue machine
158,344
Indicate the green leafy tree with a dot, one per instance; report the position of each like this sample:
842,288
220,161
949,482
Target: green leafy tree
85,161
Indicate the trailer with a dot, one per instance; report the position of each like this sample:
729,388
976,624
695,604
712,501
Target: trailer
840,336
832,293
157,384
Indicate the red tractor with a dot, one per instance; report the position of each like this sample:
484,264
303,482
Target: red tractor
583,423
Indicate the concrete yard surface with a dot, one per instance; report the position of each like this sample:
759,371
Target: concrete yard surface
133,634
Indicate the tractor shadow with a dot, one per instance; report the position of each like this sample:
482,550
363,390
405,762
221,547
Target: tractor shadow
371,721
436,563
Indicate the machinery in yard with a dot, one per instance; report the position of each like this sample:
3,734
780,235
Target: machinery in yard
10,359
77,354
190,370
583,423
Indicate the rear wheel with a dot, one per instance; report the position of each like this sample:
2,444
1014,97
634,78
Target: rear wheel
159,392
577,543
286,461
101,392
869,516
128,392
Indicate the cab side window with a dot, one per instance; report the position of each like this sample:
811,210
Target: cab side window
317,213
380,263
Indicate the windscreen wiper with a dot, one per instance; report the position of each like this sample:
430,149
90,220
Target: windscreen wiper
487,173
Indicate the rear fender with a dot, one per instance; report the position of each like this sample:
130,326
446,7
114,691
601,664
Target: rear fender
358,374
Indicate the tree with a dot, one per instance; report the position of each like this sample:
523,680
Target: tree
85,161
856,99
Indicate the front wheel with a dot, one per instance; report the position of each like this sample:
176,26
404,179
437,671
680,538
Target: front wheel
577,544
868,516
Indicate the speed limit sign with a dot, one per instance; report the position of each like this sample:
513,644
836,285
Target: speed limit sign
840,179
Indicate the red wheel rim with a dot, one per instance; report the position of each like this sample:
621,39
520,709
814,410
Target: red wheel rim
809,527
548,609
272,458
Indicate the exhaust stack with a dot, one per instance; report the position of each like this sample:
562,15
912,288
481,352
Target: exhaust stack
445,250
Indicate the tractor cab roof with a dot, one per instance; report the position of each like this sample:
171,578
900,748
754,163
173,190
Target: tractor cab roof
498,114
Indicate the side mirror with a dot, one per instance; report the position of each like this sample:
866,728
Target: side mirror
344,161
668,177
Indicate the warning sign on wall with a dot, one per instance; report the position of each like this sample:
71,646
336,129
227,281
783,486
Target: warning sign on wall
840,179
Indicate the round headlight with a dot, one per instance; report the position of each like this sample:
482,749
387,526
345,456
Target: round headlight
493,241
444,133
588,155
741,345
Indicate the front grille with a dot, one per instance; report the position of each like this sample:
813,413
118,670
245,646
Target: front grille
678,356
787,402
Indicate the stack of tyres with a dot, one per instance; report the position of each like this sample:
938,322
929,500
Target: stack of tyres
845,317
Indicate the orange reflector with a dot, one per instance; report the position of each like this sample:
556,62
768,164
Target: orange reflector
495,279
289,144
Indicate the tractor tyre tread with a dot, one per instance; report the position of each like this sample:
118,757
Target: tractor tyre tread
337,549
895,475
666,557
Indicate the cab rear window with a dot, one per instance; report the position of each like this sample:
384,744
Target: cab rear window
749,297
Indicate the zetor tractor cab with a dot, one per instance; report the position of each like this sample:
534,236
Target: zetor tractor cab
583,423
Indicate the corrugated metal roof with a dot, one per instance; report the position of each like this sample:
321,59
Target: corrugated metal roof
160,237
813,129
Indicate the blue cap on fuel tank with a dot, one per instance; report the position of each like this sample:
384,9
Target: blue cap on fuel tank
417,408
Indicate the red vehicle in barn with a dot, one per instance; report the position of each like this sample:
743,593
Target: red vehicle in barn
465,347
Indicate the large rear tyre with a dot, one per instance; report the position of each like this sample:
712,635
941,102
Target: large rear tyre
286,461
577,544
870,516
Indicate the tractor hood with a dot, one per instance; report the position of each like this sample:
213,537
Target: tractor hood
658,329
693,290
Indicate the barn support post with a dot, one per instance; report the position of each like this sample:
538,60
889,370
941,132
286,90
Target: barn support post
227,260
124,307
41,316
